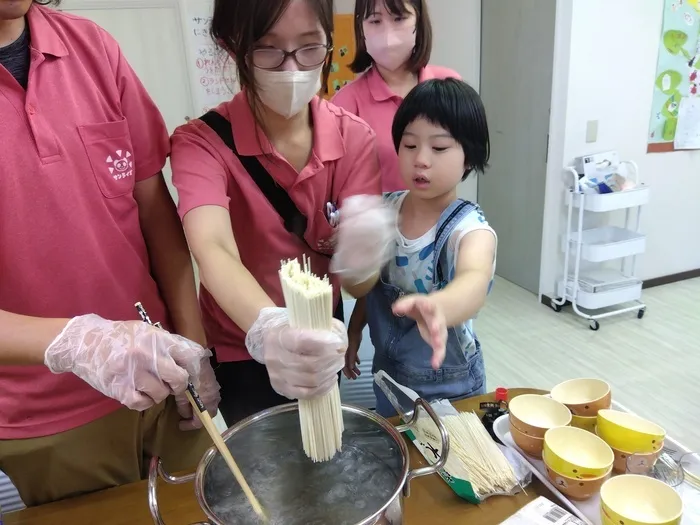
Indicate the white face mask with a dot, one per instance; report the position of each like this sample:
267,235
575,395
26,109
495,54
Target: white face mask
287,92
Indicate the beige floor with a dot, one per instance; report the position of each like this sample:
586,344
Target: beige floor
653,364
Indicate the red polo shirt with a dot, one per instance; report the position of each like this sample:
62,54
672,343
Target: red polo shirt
73,146
371,99
205,171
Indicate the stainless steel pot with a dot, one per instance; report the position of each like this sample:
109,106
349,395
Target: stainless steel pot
363,485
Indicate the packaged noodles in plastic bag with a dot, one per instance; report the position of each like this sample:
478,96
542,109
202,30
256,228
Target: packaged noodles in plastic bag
427,440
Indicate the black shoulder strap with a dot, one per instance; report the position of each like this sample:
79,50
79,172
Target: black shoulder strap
294,221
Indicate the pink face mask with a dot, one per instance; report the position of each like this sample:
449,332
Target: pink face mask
391,47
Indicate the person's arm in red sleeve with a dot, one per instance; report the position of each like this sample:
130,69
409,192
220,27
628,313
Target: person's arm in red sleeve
171,263
359,170
201,181
301,364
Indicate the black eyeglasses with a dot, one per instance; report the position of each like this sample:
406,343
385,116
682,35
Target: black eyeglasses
307,56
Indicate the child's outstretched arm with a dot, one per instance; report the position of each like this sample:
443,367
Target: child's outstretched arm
466,294
460,300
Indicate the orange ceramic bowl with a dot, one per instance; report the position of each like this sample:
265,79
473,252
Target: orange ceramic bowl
533,414
584,397
576,489
531,445
642,463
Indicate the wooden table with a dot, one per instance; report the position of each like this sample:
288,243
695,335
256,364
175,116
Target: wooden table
431,500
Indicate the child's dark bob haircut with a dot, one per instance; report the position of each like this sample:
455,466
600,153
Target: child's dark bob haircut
454,106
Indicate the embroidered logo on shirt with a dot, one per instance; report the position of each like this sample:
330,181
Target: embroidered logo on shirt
120,165
326,245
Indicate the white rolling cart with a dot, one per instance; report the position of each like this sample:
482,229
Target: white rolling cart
601,288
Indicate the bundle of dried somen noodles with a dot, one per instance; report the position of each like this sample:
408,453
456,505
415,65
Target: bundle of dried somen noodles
309,301
474,454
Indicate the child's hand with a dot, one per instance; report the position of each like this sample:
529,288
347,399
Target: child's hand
351,370
431,322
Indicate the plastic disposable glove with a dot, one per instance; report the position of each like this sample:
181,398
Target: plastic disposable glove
209,392
133,362
302,364
365,235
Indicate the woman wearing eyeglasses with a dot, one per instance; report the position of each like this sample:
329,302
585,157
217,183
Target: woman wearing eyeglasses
277,141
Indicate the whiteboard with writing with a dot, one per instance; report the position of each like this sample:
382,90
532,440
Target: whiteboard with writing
212,71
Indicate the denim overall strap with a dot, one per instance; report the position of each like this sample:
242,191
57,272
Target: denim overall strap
446,225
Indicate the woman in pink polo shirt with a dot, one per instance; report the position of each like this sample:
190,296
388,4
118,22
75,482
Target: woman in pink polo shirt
88,228
260,180
393,44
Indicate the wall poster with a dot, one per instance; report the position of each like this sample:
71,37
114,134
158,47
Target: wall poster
675,116
343,54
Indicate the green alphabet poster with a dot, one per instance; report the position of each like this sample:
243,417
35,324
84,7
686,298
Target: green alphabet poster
674,121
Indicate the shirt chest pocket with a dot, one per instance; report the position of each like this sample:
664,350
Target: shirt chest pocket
111,156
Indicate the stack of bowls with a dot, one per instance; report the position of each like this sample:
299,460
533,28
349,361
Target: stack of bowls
584,397
630,435
531,416
639,500
578,462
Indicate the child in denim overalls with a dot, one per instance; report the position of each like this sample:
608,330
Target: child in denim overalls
420,312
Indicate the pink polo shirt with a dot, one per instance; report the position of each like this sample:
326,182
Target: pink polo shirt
371,99
205,171
73,146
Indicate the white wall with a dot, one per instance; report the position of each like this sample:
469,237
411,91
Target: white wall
457,45
610,78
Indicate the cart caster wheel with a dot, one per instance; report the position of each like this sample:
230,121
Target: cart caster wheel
594,325
641,312
556,307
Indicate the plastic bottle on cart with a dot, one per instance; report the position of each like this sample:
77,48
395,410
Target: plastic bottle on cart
495,409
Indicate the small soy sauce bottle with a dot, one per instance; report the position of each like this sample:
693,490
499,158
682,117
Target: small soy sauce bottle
493,410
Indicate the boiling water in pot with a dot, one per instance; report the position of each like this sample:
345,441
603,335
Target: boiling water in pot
292,489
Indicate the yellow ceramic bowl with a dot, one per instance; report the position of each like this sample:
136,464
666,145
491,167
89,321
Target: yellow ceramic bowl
640,500
534,415
629,433
531,445
585,423
576,489
576,453
584,397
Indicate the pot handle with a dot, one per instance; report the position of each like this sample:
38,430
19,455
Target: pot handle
444,438
156,470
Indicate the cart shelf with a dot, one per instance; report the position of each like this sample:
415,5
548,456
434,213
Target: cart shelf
605,202
607,243
595,292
